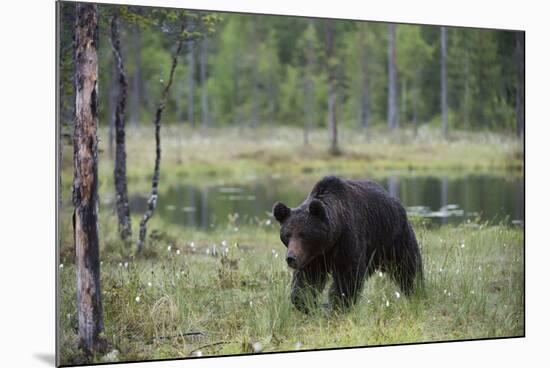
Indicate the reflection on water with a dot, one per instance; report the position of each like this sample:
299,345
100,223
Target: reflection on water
441,199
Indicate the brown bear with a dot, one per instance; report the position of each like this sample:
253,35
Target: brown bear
348,228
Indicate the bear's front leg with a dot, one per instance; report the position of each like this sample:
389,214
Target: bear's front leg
307,283
346,287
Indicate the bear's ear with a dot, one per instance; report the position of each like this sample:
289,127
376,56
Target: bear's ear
317,208
280,211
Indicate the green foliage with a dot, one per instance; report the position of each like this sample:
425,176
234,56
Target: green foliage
258,66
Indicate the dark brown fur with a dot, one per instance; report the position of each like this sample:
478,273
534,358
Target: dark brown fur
348,228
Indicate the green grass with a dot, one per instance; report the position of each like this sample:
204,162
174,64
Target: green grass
230,154
240,299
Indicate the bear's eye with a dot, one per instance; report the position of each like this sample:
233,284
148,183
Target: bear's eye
284,238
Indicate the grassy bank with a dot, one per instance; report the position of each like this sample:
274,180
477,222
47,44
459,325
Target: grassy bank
227,292
236,155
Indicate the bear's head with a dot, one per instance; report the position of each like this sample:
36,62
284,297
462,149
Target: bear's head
305,231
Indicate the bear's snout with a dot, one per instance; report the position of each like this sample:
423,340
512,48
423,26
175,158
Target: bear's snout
295,254
291,260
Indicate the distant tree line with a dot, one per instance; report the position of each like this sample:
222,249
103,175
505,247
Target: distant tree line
273,70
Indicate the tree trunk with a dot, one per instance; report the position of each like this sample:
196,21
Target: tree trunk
204,83
85,181
191,84
135,114
466,102
152,202
255,79
415,108
393,109
331,65
520,98
404,100
444,107
121,186
365,95
308,89
112,108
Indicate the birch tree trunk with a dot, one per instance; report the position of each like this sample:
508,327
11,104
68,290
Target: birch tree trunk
444,106
191,84
520,98
112,109
254,66
393,109
331,65
415,92
85,181
466,102
121,186
152,202
204,81
137,87
365,93
308,89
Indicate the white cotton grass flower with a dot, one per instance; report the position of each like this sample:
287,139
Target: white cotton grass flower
178,252
207,251
298,345
462,245
119,264
169,248
397,295
267,222
224,243
197,353
61,265
257,347
150,284
125,264
380,274
387,303
138,299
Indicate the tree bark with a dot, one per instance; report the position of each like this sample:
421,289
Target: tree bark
152,202
466,103
137,87
204,81
331,65
112,108
121,186
85,180
393,109
255,80
365,93
444,106
520,98
191,84
308,89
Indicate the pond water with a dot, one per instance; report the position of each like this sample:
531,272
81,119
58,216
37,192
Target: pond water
439,199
